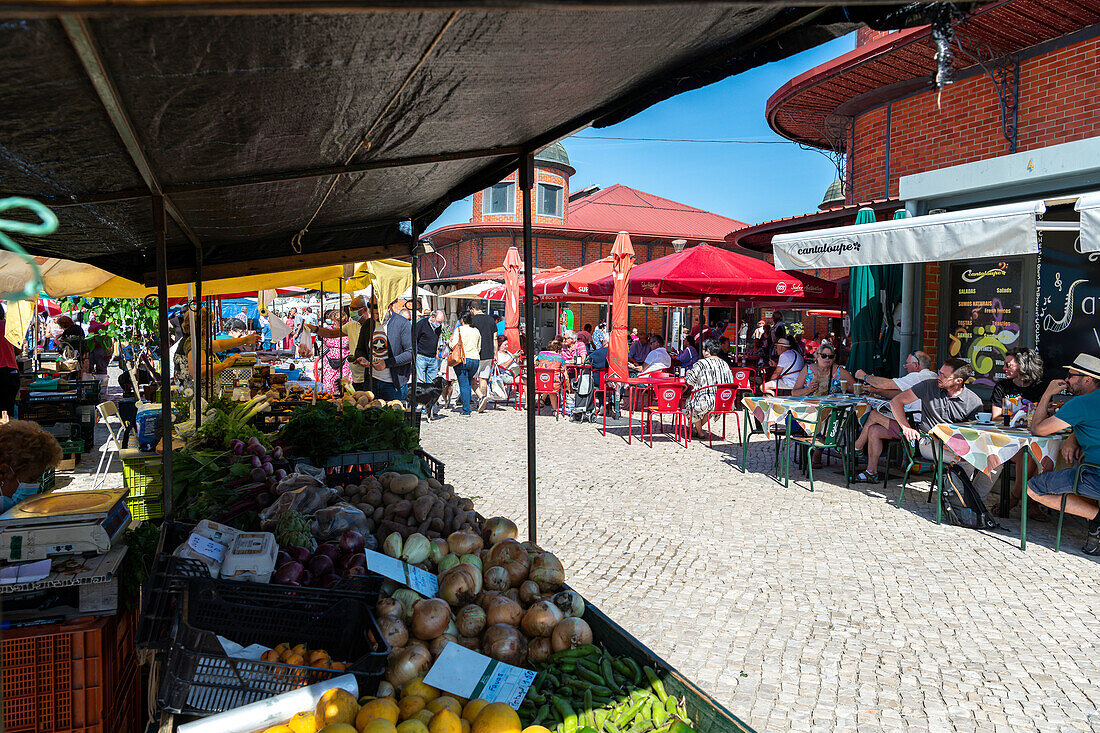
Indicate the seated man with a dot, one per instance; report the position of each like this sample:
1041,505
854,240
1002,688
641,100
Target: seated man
638,352
686,356
787,368
916,370
947,399
1082,413
725,349
658,358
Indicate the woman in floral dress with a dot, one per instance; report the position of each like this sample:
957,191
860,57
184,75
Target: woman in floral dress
337,349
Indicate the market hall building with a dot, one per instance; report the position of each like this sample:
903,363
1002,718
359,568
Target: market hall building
1018,127
571,228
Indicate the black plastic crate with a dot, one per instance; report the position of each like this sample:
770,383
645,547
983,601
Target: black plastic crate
48,413
162,593
352,468
87,390
200,679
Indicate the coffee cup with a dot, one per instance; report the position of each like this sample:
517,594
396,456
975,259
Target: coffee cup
984,417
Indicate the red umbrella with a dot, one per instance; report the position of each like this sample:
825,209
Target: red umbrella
500,292
572,285
623,255
512,264
707,270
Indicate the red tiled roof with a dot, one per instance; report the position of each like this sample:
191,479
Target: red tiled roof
902,63
614,209
758,237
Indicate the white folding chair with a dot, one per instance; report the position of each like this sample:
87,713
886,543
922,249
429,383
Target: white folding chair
108,411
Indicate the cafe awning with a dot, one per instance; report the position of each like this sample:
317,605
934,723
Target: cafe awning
992,231
1088,206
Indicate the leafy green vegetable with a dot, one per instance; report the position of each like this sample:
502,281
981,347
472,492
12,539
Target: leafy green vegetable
320,431
138,561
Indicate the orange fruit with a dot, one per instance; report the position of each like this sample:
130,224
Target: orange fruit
446,702
412,726
497,717
536,729
378,725
303,723
466,727
424,716
417,687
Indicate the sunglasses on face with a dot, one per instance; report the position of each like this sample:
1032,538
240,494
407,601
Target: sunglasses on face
826,356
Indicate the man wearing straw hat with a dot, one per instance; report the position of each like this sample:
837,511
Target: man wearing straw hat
1081,413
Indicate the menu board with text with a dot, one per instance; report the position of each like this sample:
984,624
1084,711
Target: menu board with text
984,313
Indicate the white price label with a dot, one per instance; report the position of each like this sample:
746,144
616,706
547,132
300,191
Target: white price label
466,673
213,550
421,581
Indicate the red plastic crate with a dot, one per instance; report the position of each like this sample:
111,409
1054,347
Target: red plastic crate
67,677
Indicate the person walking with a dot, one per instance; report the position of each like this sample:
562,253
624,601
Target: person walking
487,327
427,346
470,340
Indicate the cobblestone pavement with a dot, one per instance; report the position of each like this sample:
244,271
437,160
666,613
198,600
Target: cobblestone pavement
831,610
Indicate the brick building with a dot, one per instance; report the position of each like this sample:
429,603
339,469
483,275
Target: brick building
1019,121
571,228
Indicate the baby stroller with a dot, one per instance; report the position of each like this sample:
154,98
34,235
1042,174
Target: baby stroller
584,396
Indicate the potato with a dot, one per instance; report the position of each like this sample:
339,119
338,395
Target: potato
378,513
402,508
421,507
390,498
373,496
421,490
366,508
403,484
434,484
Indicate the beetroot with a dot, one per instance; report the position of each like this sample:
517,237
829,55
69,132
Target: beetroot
320,565
356,570
352,542
307,578
282,558
347,561
328,581
330,549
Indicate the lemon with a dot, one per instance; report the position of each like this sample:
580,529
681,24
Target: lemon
378,725
445,703
412,725
281,728
384,708
445,721
536,729
337,728
335,706
303,723
417,687
466,727
410,705
472,708
424,716
497,717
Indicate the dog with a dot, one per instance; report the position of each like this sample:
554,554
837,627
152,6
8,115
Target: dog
428,394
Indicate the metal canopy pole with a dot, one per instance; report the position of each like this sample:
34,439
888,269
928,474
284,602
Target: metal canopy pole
526,173
165,377
196,328
415,318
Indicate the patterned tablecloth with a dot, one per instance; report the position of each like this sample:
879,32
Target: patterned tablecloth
986,447
774,410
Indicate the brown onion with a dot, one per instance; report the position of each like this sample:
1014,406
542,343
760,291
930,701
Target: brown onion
408,598
390,607
430,618
539,650
570,603
485,596
547,571
541,619
438,643
412,662
460,585
496,579
393,631
569,634
464,543
470,642
511,556
513,593
496,529
529,592
504,643
470,620
503,610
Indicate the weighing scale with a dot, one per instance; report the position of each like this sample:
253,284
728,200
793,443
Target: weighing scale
63,523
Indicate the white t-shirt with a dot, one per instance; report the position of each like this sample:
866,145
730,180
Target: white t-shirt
790,364
909,380
657,360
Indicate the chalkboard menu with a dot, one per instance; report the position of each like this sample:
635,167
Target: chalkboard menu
984,312
1069,287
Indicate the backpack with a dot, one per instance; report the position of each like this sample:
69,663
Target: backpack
962,505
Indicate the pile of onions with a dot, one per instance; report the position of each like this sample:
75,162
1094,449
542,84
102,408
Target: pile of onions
569,634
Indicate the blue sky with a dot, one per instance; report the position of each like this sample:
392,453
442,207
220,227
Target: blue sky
748,182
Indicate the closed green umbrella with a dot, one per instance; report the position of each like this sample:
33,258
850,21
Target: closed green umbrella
864,309
889,279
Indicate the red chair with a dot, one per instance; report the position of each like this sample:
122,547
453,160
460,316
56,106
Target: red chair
548,382
726,396
668,403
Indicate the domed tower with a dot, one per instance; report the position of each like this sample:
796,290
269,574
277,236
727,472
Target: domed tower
550,197
834,195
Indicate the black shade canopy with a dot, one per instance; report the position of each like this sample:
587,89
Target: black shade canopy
242,113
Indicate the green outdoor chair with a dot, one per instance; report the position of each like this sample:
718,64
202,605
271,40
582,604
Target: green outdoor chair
827,431
1062,510
746,429
912,458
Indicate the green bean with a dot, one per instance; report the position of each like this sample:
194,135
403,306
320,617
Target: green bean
569,718
656,684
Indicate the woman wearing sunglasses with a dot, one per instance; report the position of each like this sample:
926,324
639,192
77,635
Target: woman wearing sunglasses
822,377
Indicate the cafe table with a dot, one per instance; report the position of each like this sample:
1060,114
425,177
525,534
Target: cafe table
771,411
986,446
635,387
